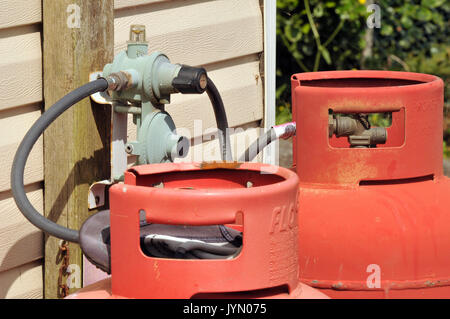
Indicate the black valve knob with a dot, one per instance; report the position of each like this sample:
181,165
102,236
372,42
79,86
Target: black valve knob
190,80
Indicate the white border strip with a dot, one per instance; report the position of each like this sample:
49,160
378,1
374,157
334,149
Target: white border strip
270,50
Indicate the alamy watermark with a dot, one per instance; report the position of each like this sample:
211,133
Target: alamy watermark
374,20
374,279
73,276
204,144
74,18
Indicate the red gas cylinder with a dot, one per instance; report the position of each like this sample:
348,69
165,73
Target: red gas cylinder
374,222
257,199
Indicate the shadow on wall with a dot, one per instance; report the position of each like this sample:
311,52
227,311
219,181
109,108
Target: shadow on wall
16,264
87,170
15,253
18,255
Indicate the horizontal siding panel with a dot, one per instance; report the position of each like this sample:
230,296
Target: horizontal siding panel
21,244
120,4
210,151
196,33
22,282
242,92
19,12
13,126
20,241
21,70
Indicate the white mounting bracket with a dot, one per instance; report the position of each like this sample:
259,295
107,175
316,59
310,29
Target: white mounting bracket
96,196
99,97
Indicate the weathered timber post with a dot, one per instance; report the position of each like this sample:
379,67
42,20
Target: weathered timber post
78,38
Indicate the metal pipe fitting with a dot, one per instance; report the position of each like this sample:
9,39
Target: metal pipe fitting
357,129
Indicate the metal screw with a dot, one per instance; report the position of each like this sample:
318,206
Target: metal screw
129,148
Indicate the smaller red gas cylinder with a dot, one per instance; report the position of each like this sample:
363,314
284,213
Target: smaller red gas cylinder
374,206
260,200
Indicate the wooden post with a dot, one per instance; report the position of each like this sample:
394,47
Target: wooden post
78,37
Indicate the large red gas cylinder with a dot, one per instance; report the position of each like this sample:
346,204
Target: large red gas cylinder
259,200
373,222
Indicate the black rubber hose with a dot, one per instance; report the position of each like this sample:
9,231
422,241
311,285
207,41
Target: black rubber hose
258,145
20,159
221,120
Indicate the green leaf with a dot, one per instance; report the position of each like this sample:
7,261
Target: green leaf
318,11
305,28
424,14
386,29
326,55
432,3
293,33
283,114
406,22
404,43
409,9
438,19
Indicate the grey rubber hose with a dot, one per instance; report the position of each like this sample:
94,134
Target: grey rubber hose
20,159
221,120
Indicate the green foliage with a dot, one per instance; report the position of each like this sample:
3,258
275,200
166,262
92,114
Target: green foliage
315,35
410,28
283,110
380,119
324,35
284,114
446,150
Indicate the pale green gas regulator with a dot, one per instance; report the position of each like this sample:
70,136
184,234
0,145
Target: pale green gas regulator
141,84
